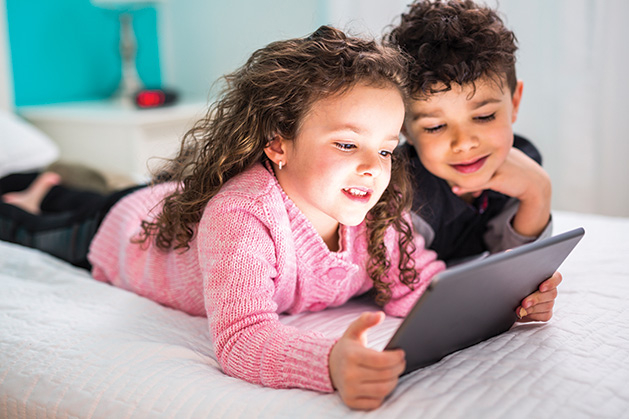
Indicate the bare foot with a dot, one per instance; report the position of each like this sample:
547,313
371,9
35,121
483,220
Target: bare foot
30,199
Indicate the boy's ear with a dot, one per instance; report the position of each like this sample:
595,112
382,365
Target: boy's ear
515,100
275,150
404,132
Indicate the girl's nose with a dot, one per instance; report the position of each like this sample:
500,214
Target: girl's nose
370,164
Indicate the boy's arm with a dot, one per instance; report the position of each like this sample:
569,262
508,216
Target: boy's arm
533,188
501,235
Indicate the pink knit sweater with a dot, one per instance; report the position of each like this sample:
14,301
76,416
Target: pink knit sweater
254,255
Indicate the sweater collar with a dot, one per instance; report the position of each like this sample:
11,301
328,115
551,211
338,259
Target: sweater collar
302,223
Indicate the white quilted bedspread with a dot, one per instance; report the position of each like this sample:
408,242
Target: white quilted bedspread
71,347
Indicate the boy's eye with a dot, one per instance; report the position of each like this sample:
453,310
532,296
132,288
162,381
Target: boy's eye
434,129
486,118
345,146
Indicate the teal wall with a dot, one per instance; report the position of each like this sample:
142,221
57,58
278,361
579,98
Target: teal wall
212,37
67,50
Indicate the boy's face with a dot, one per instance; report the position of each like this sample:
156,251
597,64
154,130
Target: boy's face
464,136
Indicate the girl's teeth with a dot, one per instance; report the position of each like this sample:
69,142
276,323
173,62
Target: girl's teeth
356,192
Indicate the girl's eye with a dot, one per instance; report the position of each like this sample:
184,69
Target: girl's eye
486,118
434,129
386,153
345,146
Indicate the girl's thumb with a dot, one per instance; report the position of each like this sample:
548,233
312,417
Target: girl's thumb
357,330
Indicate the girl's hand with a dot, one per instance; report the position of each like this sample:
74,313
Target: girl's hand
539,305
363,376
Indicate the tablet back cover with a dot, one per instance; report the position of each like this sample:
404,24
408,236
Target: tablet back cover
472,302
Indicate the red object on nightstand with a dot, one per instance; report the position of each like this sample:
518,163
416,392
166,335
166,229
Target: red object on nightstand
154,98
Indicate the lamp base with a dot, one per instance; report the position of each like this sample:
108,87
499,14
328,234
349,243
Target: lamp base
130,82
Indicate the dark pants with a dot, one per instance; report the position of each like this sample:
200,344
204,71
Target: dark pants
17,182
67,224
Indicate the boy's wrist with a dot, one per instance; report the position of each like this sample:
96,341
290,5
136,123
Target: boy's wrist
532,217
539,189
533,214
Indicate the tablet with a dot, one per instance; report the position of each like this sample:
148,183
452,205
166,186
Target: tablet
476,300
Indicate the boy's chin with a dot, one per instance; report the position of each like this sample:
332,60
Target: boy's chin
476,184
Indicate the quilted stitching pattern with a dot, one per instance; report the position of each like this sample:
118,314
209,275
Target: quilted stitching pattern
74,347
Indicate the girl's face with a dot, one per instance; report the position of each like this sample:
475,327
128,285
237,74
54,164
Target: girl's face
339,164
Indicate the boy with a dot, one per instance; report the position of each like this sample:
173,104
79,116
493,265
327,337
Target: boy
478,187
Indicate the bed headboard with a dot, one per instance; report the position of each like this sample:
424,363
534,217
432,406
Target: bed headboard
6,77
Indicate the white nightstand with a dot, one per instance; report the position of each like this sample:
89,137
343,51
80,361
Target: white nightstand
116,139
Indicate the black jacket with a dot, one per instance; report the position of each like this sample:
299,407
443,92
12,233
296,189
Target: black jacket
459,227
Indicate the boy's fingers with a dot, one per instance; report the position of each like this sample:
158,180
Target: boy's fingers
457,190
540,297
538,317
537,310
552,282
547,292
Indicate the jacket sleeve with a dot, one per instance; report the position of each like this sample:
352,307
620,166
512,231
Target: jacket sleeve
421,227
500,234
238,261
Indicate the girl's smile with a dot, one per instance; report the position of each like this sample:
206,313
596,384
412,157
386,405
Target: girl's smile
358,194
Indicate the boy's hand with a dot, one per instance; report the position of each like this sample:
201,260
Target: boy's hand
363,376
539,305
522,178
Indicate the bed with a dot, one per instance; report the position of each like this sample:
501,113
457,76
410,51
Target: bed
72,347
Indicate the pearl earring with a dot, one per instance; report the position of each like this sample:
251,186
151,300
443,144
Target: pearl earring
280,164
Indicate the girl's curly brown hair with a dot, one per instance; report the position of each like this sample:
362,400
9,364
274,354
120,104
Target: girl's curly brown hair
454,41
269,96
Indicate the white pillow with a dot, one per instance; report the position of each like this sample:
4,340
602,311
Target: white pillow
23,147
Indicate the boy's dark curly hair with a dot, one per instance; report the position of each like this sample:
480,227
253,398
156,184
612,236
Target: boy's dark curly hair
454,42
270,95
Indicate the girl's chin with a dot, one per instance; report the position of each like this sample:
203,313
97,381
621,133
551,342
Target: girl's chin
352,222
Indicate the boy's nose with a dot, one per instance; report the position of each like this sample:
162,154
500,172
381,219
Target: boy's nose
463,141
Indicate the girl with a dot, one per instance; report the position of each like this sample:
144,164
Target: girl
287,197
268,215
